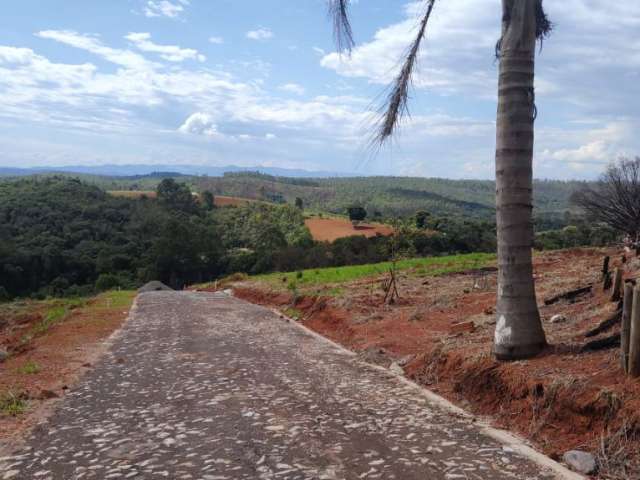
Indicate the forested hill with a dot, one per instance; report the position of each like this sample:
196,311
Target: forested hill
382,197
391,196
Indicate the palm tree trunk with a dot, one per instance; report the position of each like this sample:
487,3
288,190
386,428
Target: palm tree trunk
519,332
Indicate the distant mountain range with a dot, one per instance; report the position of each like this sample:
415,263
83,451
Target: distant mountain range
136,170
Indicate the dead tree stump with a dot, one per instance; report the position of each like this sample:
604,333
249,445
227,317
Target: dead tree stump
634,336
626,326
617,285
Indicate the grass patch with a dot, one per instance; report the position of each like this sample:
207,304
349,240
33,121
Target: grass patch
55,314
222,283
113,299
332,292
13,404
292,313
432,266
29,368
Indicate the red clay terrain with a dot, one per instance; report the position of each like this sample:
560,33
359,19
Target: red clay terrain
46,359
330,229
564,399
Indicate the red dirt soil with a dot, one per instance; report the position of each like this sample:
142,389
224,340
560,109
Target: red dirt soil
330,229
561,400
62,354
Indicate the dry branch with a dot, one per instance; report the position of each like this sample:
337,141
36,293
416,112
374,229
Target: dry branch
602,344
605,324
570,295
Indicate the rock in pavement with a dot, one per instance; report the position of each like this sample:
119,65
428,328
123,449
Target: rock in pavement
154,286
558,319
581,462
4,354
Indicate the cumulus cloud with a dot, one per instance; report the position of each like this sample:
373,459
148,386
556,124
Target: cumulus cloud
171,53
260,34
584,150
165,8
216,40
200,124
27,77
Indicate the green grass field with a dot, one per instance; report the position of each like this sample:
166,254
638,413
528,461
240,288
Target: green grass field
427,267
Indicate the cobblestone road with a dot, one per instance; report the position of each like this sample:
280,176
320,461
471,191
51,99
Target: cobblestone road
203,386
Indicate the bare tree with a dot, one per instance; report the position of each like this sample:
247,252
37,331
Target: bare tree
615,198
519,332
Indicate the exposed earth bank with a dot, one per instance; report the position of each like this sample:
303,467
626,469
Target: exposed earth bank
563,400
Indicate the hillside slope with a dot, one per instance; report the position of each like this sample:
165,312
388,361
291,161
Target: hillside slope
381,196
391,195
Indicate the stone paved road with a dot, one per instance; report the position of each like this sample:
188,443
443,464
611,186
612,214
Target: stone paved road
203,386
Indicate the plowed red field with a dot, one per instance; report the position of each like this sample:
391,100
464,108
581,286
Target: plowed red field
330,229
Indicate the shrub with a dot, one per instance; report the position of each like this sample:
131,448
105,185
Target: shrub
108,281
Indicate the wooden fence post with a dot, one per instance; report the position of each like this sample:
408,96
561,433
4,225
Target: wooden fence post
626,326
617,284
605,268
634,336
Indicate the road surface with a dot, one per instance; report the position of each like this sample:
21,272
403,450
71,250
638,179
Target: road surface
204,386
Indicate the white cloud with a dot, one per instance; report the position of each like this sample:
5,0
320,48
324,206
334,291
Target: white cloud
582,149
270,136
165,8
200,124
292,88
171,53
27,79
260,34
125,58
216,40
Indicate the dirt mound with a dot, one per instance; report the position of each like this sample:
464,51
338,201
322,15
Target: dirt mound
154,286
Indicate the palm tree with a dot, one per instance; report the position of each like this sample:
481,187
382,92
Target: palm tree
519,332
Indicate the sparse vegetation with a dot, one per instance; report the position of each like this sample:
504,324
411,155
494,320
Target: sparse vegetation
13,403
29,368
419,266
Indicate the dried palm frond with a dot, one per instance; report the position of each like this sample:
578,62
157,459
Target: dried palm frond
544,26
396,103
342,31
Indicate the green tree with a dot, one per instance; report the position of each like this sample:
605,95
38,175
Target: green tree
175,196
208,200
356,213
299,203
421,219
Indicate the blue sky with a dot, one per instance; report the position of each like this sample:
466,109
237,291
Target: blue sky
256,82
